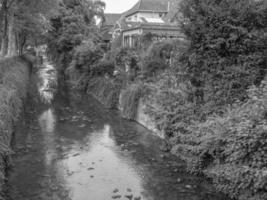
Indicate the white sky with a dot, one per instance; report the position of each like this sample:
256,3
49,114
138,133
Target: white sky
118,6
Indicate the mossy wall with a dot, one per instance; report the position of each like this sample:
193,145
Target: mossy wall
130,100
133,106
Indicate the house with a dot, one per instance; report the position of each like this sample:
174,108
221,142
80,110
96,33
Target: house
107,27
147,17
154,17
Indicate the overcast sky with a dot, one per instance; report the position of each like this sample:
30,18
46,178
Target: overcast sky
118,6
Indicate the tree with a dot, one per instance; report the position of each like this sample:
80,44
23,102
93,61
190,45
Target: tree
75,23
4,24
24,21
228,47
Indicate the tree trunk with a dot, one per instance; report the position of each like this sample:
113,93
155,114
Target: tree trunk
12,47
4,21
21,41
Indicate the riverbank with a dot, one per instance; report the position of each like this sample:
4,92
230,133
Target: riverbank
209,147
14,79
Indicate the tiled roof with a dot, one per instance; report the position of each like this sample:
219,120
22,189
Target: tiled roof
150,5
111,19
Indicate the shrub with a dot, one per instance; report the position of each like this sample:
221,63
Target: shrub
169,103
85,57
106,90
102,68
157,57
151,66
232,149
228,47
127,56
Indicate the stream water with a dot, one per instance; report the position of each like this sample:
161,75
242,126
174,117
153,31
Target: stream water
68,147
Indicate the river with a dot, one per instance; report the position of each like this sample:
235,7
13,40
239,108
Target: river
68,147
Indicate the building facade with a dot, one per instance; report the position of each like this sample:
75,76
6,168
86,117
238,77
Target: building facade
153,17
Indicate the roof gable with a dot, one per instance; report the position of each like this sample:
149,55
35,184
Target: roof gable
150,6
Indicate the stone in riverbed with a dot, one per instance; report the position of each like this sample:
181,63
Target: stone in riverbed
162,156
116,196
188,186
175,170
130,196
82,126
116,190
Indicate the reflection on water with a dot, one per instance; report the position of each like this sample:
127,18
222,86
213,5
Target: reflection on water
48,83
99,169
47,121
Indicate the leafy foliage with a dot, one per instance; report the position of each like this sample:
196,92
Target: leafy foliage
85,57
106,90
74,25
228,47
102,68
157,57
204,104
24,22
126,56
232,149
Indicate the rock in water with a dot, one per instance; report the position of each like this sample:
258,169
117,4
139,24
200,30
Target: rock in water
115,191
116,196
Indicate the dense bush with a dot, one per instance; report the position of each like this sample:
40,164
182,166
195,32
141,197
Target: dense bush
126,56
152,66
228,47
103,68
226,56
73,23
85,57
169,103
106,90
157,57
14,74
232,149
